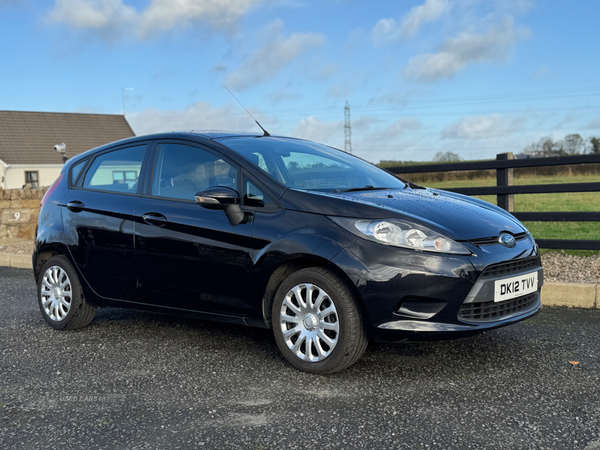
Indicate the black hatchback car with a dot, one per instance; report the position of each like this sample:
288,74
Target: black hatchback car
322,247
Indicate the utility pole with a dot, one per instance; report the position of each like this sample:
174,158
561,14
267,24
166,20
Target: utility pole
347,130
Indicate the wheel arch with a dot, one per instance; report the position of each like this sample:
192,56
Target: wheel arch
290,266
43,254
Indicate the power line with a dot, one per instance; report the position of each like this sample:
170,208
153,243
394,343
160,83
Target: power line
457,101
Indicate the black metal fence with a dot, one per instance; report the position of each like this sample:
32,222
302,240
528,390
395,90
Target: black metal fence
505,190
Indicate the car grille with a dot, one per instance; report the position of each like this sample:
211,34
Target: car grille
492,311
495,239
511,267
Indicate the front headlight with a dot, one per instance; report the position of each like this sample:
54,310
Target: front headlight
400,233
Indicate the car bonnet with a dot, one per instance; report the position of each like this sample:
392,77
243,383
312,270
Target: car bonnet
457,216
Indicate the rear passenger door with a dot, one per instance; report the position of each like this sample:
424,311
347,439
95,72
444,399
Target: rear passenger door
98,219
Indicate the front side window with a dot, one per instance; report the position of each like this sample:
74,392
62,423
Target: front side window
116,171
182,170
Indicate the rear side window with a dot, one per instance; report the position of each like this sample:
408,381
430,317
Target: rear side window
116,171
182,170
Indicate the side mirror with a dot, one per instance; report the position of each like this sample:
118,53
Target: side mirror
224,198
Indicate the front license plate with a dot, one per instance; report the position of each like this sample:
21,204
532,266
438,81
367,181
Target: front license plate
515,286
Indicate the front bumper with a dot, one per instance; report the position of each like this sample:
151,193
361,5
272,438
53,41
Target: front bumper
415,296
403,330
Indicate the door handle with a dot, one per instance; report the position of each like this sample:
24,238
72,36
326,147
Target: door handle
75,206
156,219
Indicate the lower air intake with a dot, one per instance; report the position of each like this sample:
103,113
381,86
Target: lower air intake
492,311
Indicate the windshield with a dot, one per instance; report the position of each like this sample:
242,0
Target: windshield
311,166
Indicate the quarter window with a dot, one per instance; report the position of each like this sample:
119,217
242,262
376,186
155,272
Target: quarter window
253,192
76,170
117,171
254,196
183,170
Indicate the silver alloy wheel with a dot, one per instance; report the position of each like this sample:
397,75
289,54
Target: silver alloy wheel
56,293
309,322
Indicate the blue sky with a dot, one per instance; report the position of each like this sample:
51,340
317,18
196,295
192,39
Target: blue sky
476,77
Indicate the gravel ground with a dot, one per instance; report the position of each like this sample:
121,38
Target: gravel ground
571,269
21,247
557,267
133,380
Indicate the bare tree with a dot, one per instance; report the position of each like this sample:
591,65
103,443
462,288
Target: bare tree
543,146
446,157
548,145
533,148
573,144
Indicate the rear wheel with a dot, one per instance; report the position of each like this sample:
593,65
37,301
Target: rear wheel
60,296
317,323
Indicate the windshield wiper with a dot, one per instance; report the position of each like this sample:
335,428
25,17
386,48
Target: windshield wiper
412,185
364,188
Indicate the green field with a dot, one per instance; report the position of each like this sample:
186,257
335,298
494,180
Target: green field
579,201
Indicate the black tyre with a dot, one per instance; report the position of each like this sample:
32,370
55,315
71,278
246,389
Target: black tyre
317,322
60,296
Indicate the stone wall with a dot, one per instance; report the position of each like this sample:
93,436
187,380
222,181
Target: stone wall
20,209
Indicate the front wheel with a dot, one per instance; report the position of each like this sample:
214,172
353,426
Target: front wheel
60,296
317,323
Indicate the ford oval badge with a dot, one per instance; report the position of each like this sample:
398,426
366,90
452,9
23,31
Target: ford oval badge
508,240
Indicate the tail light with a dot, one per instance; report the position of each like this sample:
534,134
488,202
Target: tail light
51,189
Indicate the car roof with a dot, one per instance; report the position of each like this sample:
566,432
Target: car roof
205,134
214,134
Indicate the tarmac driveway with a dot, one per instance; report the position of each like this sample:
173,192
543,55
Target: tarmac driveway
136,380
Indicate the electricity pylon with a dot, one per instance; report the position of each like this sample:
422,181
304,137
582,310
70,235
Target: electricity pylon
347,130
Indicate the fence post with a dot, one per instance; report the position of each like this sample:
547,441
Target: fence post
504,177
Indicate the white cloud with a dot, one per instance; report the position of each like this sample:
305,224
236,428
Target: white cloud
198,116
364,123
409,25
112,18
480,127
384,29
420,15
400,127
468,47
372,139
266,62
329,133
100,15
167,14
376,140
432,67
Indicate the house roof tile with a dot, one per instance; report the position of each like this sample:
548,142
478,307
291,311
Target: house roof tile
29,137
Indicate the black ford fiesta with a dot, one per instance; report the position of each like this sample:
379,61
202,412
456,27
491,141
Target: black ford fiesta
326,249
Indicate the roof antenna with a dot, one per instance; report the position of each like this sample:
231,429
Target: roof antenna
266,132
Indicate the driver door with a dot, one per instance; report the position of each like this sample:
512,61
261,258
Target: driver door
190,257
